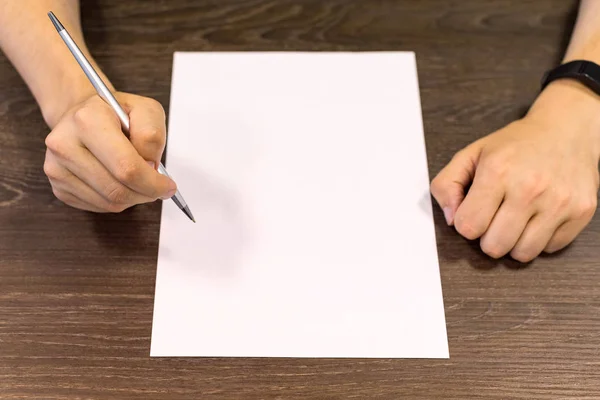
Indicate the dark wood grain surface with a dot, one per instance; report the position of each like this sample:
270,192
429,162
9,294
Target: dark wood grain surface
76,289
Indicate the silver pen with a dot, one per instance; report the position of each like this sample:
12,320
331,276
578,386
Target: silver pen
105,93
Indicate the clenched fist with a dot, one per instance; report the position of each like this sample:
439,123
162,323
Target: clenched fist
534,183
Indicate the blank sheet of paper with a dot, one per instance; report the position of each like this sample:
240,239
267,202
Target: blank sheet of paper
308,178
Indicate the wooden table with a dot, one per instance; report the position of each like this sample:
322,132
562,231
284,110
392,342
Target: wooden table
76,289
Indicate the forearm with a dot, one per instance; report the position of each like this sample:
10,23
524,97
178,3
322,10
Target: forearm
585,40
31,43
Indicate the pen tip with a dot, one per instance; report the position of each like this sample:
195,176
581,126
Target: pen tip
59,27
187,212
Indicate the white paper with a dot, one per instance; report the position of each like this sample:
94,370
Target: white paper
307,175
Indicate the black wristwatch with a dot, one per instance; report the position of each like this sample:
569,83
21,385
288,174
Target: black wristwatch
586,72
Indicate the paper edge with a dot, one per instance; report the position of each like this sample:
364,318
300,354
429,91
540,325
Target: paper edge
429,202
162,207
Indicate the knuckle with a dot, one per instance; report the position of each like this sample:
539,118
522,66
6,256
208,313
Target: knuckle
492,249
154,105
56,145
127,171
82,116
437,185
52,141
522,255
586,208
60,195
155,136
562,199
468,228
553,248
56,192
558,242
532,186
51,171
116,194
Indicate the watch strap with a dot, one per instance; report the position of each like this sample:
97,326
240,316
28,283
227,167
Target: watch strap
586,72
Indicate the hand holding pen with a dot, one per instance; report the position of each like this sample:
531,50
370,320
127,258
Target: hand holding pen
92,165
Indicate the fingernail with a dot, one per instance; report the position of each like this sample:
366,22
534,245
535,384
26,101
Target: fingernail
449,215
152,164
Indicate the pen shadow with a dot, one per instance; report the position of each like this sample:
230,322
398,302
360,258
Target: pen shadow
213,246
426,203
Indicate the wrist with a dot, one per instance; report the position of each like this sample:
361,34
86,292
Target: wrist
573,108
65,91
53,107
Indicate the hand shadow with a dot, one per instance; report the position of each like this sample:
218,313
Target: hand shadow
212,247
130,232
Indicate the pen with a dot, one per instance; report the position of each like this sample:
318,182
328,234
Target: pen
105,93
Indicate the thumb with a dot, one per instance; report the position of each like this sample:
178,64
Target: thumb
448,187
147,129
